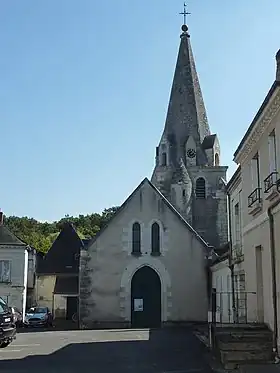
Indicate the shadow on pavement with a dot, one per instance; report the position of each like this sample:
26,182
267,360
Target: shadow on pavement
57,326
164,350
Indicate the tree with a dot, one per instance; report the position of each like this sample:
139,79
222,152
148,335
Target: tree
42,235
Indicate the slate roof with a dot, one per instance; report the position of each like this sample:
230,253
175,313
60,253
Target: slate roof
66,285
63,256
209,141
168,204
186,113
186,106
8,238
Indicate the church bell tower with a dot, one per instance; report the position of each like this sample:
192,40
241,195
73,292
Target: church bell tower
187,167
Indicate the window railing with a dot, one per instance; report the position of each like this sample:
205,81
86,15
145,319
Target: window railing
254,197
270,181
223,311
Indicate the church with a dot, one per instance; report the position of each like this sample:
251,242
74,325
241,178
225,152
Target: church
148,266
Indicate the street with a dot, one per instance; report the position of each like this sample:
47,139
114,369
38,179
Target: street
106,351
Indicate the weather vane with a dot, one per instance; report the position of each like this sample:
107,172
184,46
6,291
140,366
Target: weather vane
185,13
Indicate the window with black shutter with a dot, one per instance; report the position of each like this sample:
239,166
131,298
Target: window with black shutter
136,238
155,236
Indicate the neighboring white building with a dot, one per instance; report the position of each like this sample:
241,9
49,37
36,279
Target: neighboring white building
13,268
255,211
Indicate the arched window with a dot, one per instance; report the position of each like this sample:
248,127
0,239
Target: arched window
163,159
155,237
200,191
217,160
136,238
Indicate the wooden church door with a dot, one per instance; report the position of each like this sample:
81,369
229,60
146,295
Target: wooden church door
145,299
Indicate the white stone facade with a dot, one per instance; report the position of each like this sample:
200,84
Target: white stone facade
13,278
108,266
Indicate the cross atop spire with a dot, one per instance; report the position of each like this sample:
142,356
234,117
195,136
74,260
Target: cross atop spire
185,13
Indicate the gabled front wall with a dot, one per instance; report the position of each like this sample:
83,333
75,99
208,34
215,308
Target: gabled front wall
15,291
106,277
256,232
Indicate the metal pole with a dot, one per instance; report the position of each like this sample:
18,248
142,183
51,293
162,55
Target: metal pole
231,265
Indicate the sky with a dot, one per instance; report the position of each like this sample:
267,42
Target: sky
85,84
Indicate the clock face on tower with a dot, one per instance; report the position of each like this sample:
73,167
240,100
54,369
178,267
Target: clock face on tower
191,153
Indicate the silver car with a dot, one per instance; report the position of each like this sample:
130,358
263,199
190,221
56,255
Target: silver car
38,316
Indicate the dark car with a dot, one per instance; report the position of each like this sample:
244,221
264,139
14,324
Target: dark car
38,316
7,325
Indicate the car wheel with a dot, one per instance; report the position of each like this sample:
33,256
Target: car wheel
4,344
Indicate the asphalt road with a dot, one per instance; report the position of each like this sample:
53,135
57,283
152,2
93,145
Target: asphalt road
105,351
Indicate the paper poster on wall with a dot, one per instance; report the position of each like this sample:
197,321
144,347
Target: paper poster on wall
138,305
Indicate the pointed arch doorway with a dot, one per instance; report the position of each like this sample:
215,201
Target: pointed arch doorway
145,299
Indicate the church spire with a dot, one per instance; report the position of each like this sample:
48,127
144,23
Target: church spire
187,170
186,115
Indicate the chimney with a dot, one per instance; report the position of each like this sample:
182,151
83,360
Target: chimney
278,66
1,217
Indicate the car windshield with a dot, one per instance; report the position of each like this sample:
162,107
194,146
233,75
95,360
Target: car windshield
3,306
37,310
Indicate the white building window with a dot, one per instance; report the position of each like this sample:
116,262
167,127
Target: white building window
272,152
255,195
255,172
5,271
237,224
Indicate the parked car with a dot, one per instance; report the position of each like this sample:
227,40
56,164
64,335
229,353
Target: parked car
17,315
38,316
7,326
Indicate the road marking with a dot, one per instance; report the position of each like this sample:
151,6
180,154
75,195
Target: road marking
11,351
31,345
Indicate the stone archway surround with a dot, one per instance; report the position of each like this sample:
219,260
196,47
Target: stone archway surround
125,290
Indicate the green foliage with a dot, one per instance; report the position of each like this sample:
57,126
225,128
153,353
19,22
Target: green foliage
42,235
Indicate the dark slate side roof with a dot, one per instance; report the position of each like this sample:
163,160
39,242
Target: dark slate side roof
209,141
63,256
66,285
8,238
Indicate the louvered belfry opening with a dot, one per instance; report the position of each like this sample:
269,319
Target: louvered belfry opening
200,188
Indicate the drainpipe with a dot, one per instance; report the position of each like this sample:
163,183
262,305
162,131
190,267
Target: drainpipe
231,265
274,286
